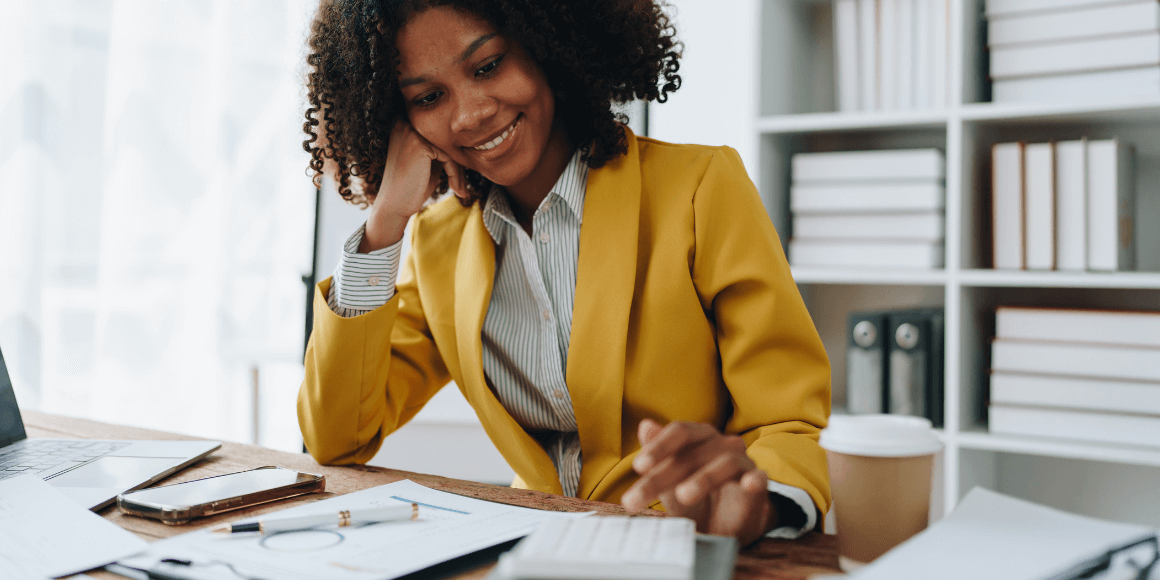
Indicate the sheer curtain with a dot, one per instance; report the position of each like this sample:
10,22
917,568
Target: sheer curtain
155,214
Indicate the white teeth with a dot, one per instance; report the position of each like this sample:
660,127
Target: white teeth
495,142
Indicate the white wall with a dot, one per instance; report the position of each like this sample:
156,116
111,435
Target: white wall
717,101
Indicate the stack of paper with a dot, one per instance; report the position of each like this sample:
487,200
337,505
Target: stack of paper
45,534
868,209
448,526
1076,374
1044,50
891,54
997,537
1064,206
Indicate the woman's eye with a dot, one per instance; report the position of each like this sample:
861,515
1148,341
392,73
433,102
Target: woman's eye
428,99
489,69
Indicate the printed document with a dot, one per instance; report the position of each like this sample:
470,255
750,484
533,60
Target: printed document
448,526
45,534
993,536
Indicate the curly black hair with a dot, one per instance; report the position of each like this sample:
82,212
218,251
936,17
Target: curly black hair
593,53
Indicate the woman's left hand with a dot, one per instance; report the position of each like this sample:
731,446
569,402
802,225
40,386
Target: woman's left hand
700,474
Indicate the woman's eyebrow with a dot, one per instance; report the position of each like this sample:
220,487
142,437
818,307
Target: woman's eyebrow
474,46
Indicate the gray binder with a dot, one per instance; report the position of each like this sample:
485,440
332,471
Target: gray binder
866,365
916,363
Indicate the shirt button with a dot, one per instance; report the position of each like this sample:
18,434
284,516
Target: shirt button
544,237
547,314
558,394
374,281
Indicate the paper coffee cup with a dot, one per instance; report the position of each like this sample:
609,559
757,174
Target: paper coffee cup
880,476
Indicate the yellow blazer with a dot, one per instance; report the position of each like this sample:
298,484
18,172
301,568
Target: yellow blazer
685,310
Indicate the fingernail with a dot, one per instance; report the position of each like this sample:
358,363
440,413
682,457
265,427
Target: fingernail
687,493
630,499
642,463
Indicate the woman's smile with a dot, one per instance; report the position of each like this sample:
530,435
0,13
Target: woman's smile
501,144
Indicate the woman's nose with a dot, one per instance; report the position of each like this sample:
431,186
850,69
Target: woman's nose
473,110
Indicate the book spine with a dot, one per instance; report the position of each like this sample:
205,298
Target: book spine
904,87
868,54
878,198
1100,427
1076,56
923,41
846,53
1040,216
888,164
1007,205
1094,21
1079,326
1009,8
1111,206
1072,393
887,53
910,255
924,226
1077,360
940,52
1071,196
1090,86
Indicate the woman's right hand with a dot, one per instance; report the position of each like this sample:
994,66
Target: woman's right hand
413,170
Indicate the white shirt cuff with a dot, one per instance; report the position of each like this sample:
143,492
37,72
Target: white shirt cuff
364,282
803,499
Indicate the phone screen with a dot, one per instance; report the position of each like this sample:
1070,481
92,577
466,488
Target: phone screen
211,489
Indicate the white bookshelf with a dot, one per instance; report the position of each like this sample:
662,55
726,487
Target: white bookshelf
794,112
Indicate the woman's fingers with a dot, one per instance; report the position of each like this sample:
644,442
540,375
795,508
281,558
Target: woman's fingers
698,467
455,179
647,430
739,510
671,439
662,479
724,468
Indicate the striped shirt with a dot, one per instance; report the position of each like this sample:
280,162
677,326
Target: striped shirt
527,329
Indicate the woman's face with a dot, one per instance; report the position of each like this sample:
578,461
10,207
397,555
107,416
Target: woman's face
475,94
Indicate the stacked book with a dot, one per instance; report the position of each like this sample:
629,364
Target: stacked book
1075,50
1067,205
1077,374
864,209
891,54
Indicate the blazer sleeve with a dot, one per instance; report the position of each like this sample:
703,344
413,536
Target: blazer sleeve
772,361
366,375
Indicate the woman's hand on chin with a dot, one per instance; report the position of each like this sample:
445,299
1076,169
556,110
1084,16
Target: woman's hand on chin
413,170
700,474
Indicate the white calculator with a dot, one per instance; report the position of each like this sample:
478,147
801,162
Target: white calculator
604,548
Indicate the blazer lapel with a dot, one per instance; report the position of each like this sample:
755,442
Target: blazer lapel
605,281
474,276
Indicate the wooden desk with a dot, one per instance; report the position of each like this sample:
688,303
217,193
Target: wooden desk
768,559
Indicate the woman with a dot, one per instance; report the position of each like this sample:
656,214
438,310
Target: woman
617,310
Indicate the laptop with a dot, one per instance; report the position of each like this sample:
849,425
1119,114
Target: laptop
90,472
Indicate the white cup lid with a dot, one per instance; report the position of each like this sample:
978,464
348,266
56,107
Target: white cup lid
880,436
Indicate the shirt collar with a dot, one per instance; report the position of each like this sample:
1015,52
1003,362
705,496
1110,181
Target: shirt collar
570,188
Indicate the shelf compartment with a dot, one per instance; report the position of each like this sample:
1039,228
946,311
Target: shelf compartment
980,439
829,122
868,276
978,139
830,305
1056,279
